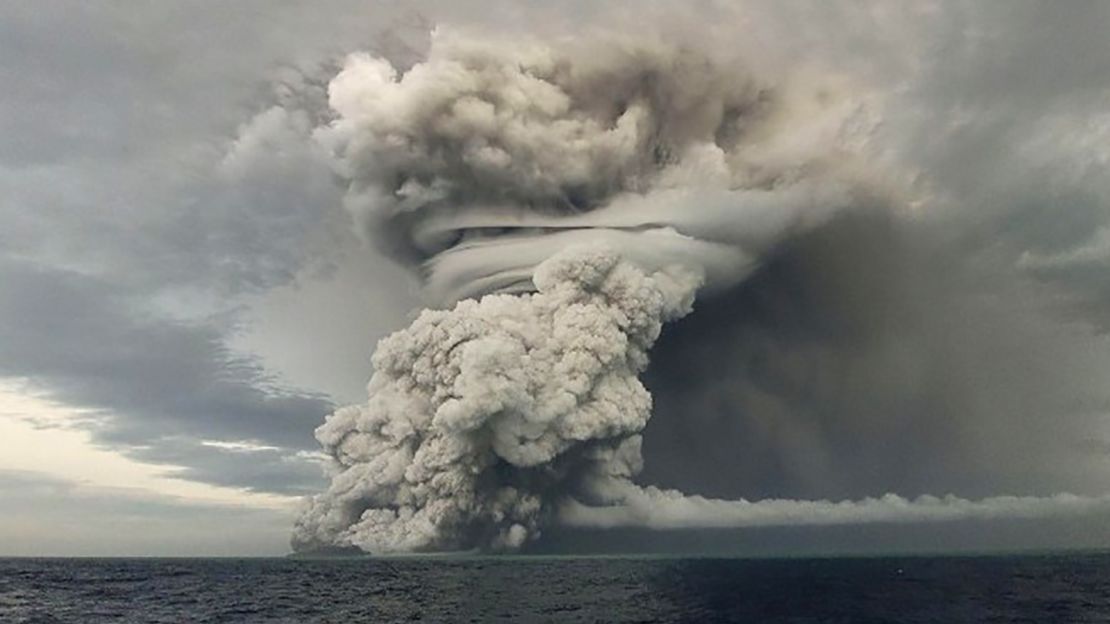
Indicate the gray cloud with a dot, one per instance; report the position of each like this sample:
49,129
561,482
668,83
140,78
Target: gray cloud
158,383
871,358
142,209
954,348
45,516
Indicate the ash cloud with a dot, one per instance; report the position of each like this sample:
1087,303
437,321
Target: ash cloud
481,161
479,414
487,167
481,165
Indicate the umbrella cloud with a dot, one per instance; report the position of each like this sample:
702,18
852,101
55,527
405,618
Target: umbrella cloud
480,162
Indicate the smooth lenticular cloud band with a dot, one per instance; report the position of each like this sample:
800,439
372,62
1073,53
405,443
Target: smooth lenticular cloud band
721,233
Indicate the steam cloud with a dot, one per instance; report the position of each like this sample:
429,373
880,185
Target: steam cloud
655,508
484,160
564,202
478,413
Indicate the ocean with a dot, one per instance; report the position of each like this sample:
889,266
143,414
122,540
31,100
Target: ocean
1040,589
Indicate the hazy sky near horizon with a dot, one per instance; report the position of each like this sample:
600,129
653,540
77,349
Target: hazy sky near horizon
183,298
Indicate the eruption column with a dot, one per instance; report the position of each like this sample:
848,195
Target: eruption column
563,202
482,416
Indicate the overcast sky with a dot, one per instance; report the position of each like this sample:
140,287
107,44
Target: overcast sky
183,298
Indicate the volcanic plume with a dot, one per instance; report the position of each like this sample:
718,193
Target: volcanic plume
561,201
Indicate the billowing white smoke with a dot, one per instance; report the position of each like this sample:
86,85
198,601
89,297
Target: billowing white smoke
478,414
488,157
584,194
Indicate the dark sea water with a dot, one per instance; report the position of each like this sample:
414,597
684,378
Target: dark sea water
1050,588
